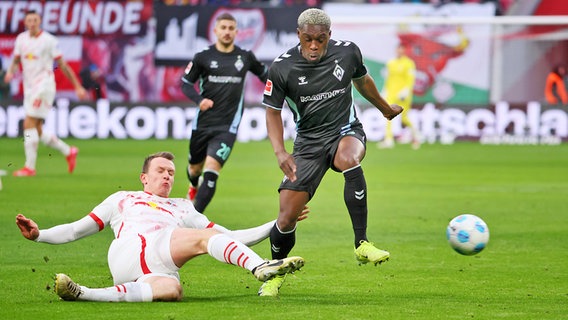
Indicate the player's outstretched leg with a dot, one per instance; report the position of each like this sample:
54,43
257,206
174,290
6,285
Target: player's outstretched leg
367,252
71,159
69,290
272,268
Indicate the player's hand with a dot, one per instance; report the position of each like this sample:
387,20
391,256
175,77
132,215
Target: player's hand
8,77
304,214
27,226
81,93
205,104
287,165
395,111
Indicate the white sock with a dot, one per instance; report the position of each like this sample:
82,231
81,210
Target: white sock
228,250
51,140
31,139
129,292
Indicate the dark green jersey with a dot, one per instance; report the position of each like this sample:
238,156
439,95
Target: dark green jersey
221,78
319,94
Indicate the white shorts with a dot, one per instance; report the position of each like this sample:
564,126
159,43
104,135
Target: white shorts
38,100
132,258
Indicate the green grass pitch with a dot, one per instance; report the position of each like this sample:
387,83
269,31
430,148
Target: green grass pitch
520,191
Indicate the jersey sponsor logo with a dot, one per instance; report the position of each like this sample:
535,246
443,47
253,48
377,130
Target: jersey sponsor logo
302,81
322,95
30,56
154,205
268,88
224,79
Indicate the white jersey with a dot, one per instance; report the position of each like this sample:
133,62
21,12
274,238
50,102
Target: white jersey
130,213
143,224
37,55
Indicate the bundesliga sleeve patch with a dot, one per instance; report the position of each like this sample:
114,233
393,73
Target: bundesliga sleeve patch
268,88
188,68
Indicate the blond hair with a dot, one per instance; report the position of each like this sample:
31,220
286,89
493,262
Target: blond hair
314,16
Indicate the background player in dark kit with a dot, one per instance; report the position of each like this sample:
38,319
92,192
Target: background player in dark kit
221,70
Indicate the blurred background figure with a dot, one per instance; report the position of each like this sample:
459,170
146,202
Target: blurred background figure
93,81
4,87
398,89
36,51
555,87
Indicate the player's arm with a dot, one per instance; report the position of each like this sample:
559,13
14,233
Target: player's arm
275,130
70,74
188,88
193,72
366,86
59,234
258,68
249,236
12,69
252,236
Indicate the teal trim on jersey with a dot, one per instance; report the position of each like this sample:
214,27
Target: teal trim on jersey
196,119
294,108
352,112
238,115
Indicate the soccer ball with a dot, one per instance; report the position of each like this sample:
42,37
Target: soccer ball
467,234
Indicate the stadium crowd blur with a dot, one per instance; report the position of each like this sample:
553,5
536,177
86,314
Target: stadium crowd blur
500,5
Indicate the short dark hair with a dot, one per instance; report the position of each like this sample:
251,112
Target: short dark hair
225,16
162,154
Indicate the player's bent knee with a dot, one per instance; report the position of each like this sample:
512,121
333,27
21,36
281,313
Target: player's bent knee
287,223
167,290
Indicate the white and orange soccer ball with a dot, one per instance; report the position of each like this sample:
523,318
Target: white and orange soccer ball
468,234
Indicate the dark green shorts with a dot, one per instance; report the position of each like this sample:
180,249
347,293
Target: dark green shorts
314,157
217,144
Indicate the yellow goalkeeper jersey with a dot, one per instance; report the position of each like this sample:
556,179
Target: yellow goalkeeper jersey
399,79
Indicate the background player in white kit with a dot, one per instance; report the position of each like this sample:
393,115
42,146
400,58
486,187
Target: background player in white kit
36,50
155,236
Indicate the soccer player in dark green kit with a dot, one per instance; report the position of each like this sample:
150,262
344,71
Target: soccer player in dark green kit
221,70
315,79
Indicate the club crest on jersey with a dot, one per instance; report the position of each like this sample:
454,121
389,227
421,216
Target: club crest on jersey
338,72
268,88
239,63
214,64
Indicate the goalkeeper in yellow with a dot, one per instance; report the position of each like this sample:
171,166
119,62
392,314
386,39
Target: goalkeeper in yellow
399,83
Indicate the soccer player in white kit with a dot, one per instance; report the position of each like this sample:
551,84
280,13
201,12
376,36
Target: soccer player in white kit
154,237
36,50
